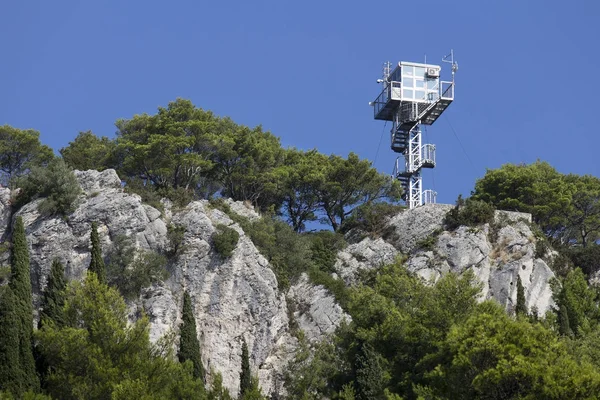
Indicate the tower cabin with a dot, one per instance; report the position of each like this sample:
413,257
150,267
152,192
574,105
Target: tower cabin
417,90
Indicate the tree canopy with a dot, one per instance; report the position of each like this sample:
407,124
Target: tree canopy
19,151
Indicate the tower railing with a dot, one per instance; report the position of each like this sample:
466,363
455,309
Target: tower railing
447,90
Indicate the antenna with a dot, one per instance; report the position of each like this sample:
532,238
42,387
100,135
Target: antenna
413,95
450,59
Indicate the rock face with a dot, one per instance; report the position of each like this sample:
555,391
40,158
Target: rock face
364,255
238,297
317,312
496,254
233,298
4,211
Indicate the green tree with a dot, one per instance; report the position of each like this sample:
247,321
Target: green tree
89,151
521,307
11,379
98,354
349,183
56,184
189,346
53,298
217,391
492,356
97,262
20,284
372,375
253,392
583,212
248,165
168,150
302,175
245,373
577,303
536,188
19,151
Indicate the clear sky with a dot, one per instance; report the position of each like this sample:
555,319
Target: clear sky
527,85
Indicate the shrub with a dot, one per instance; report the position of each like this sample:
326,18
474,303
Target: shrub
130,270
175,235
586,258
372,219
337,287
324,248
469,212
56,183
428,243
220,204
225,240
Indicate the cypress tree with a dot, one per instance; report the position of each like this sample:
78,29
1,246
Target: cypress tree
97,263
53,298
245,376
564,325
521,307
189,346
10,371
20,283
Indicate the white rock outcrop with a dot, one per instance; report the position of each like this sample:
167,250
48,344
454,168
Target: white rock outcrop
317,312
234,298
496,254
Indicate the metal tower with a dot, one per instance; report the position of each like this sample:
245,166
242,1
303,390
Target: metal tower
413,95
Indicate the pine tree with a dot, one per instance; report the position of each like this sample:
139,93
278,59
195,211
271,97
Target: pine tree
189,346
53,299
521,307
10,373
245,376
20,283
97,263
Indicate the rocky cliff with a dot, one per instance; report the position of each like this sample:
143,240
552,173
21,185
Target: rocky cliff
496,253
238,297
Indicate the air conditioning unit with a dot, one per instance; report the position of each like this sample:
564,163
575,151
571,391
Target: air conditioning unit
433,72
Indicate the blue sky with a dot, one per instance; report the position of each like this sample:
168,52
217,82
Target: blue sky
527,87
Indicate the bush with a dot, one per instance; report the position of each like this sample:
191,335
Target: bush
225,240
175,234
337,287
56,183
130,270
372,219
469,213
324,248
586,258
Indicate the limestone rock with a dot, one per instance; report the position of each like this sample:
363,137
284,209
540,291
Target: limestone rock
317,312
233,298
4,211
412,226
495,258
364,255
243,209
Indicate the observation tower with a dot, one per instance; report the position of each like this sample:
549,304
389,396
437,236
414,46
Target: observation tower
413,95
